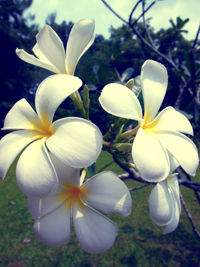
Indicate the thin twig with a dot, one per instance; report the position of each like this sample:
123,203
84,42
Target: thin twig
189,216
144,24
113,11
143,13
169,61
117,73
197,98
138,187
131,173
192,186
149,44
183,90
105,166
196,38
133,10
189,179
194,74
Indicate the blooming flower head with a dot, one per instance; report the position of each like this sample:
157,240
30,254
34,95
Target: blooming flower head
50,53
164,204
75,201
157,136
74,141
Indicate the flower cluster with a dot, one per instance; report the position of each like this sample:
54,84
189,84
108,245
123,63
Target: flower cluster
159,146
52,153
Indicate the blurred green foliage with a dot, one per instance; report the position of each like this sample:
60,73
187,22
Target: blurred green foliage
139,243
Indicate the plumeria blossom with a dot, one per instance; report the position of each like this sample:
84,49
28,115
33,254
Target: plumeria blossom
75,201
164,204
74,141
49,50
156,136
164,201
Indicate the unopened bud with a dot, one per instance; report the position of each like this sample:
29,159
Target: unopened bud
130,83
123,147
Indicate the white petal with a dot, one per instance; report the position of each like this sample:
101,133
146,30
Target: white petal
175,219
172,120
106,192
53,91
21,116
40,55
95,232
150,157
174,187
51,46
160,204
41,206
35,173
174,164
154,80
80,39
120,101
76,142
54,229
11,145
182,148
35,61
65,172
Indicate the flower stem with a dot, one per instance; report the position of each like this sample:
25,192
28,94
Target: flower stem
78,103
83,174
86,100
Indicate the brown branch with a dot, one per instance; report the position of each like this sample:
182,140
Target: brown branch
189,179
192,185
131,173
189,216
124,176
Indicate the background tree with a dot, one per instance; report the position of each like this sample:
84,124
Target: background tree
14,32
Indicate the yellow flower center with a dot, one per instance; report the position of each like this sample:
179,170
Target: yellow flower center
148,125
44,126
73,195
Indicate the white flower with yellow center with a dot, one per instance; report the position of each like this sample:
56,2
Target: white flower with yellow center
75,201
158,136
75,141
164,204
49,50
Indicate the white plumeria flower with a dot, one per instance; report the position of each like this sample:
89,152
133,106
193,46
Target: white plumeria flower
74,141
49,50
164,204
156,136
73,200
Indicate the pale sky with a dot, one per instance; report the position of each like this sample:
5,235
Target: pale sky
74,10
